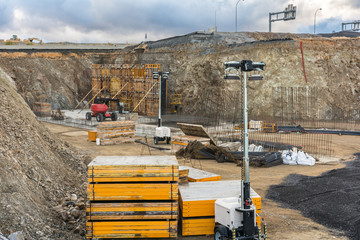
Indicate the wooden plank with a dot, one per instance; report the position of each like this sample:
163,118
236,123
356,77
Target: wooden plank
197,175
132,211
132,229
184,140
198,226
183,175
195,130
132,191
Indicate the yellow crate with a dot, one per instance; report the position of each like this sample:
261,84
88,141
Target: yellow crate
92,136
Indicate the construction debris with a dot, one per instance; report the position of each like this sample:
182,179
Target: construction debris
111,133
195,130
143,189
196,150
57,115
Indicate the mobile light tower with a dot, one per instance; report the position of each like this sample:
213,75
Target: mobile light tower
235,218
161,133
288,14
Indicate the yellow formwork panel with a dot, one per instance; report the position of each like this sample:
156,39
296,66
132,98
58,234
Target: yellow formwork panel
132,191
197,199
131,211
133,169
131,229
199,226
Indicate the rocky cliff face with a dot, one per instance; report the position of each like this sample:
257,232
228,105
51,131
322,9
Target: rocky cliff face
59,78
331,66
37,170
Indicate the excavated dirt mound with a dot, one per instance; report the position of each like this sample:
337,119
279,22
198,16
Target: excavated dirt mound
332,199
37,171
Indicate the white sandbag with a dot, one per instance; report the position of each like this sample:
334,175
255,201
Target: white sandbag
305,159
289,157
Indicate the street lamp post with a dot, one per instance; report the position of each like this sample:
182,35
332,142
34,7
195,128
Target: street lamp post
236,15
315,19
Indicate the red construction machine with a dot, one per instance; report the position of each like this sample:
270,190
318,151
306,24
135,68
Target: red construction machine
100,108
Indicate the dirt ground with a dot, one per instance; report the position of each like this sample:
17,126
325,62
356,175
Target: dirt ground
283,223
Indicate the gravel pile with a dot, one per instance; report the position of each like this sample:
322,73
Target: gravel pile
332,199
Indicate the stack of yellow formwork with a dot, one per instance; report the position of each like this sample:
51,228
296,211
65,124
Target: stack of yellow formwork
116,132
132,197
197,204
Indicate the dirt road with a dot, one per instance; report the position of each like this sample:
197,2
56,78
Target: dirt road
283,223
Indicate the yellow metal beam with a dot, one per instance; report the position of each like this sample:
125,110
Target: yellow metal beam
86,95
120,90
92,98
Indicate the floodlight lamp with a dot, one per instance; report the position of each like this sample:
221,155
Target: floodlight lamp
232,64
155,76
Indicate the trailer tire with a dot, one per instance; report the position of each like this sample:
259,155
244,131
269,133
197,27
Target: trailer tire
114,116
168,139
88,116
220,233
156,141
99,117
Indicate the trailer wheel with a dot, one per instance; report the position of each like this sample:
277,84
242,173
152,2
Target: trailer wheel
168,139
114,116
88,116
99,117
220,233
156,141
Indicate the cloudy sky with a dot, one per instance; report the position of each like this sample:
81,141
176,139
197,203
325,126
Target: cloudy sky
129,20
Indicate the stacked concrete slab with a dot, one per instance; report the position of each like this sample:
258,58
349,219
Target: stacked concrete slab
197,204
132,197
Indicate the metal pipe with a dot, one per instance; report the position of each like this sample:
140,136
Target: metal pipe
246,136
159,121
269,22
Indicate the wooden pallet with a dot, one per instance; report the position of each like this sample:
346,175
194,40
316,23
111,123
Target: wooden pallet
132,229
133,169
197,175
111,133
131,211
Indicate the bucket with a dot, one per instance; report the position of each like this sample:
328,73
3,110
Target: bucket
98,141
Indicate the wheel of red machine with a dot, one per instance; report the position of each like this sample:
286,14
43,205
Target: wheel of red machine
114,116
88,116
99,117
